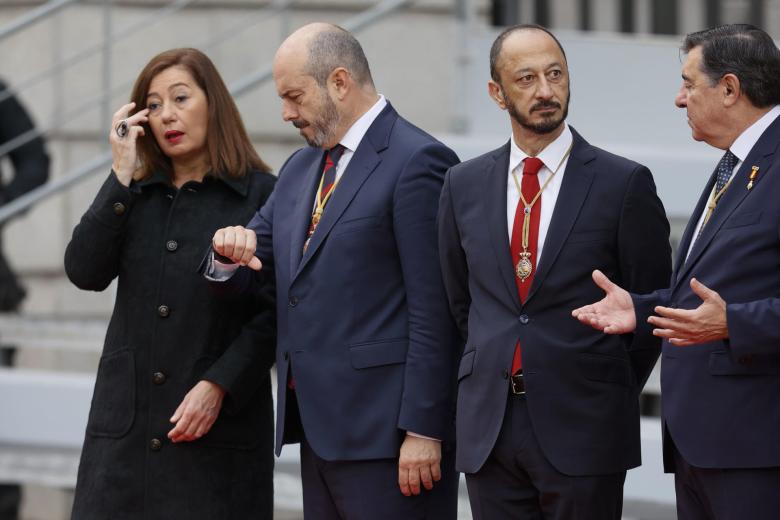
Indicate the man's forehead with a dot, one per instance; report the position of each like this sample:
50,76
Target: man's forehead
532,46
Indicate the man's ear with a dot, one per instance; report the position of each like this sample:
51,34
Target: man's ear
340,82
731,89
497,94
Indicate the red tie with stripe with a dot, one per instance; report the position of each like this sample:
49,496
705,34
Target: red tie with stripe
529,187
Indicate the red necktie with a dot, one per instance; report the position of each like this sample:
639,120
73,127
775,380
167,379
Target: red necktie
329,170
529,187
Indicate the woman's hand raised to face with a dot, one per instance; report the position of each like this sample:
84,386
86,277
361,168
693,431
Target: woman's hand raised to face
125,130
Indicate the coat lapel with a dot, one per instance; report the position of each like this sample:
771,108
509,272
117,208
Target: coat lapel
303,210
692,227
363,163
576,183
494,200
736,193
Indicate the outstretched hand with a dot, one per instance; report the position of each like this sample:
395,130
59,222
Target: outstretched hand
614,314
685,327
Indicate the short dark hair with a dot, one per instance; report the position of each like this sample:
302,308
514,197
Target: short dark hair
495,49
333,48
745,51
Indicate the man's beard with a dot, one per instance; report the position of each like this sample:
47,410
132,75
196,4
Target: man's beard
324,126
547,125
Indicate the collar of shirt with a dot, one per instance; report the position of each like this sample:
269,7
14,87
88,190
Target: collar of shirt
358,130
551,156
748,139
356,133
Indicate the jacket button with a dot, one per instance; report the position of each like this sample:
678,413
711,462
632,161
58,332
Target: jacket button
119,208
158,378
523,319
293,301
171,245
163,311
505,374
155,445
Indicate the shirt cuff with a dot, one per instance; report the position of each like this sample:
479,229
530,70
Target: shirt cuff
412,434
217,271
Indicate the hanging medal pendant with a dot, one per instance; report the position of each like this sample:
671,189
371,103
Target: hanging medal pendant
315,218
524,266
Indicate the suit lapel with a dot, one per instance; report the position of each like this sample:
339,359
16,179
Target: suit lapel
692,227
576,183
363,163
303,210
735,194
494,201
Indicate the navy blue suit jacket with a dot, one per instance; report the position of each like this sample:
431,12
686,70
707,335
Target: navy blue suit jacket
721,400
582,386
362,315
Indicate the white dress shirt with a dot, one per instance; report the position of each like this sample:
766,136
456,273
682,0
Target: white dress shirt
740,148
551,156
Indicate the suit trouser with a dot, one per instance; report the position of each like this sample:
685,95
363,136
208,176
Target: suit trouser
518,482
725,494
367,489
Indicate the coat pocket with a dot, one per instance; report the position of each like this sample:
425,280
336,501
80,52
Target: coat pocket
722,364
113,402
608,369
742,219
378,353
466,364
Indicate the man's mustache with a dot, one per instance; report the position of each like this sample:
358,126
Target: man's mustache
545,104
300,123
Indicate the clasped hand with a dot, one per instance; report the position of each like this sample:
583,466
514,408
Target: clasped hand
238,244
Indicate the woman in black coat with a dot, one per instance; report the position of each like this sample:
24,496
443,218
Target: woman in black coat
181,419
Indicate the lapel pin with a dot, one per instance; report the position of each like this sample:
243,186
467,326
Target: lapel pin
753,176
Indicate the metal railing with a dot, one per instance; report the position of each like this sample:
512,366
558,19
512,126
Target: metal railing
33,16
238,88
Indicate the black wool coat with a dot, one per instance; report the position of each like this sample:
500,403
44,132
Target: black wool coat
168,332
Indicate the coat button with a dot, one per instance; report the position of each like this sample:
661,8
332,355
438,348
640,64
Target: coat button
155,445
293,301
119,208
505,374
163,311
171,245
523,319
158,378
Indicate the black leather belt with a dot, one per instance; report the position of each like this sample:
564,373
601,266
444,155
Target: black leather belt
517,384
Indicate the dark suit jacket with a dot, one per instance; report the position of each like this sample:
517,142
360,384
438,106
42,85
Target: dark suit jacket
582,385
720,399
362,316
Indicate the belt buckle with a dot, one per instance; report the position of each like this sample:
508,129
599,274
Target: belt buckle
517,385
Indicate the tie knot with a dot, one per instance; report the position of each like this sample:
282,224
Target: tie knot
725,169
532,165
728,160
335,153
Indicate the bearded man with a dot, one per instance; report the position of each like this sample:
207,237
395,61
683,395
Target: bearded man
367,349
547,408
